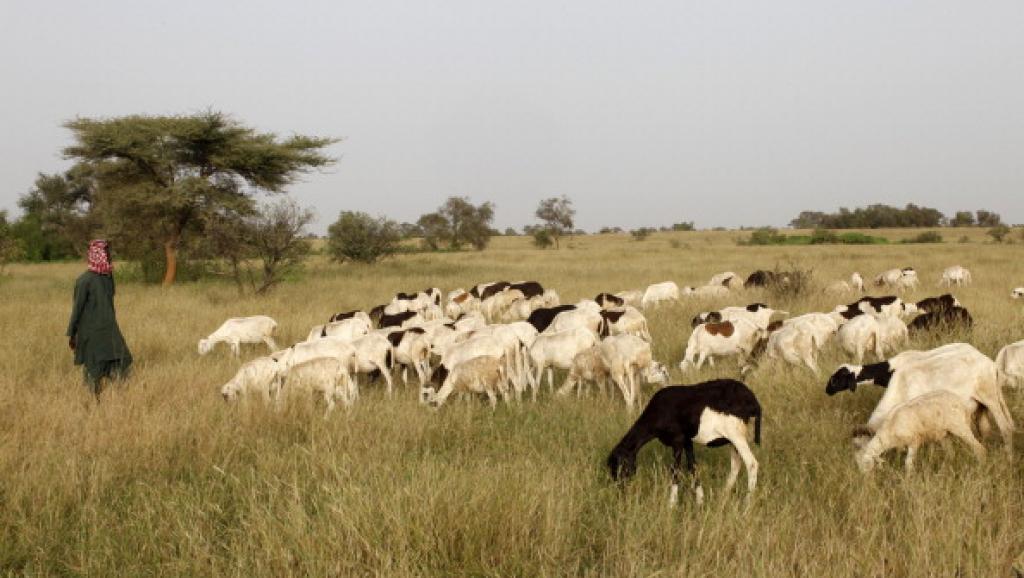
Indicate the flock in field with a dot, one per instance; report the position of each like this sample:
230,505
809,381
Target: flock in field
497,339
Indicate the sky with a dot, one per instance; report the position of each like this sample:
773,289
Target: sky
645,113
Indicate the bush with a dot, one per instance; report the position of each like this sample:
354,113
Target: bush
642,233
999,233
685,226
362,238
925,237
542,238
824,237
765,236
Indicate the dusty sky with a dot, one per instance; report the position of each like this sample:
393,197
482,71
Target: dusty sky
722,112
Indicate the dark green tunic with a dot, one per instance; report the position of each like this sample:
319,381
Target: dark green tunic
100,345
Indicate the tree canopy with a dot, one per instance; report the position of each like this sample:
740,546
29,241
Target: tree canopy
557,214
155,178
456,223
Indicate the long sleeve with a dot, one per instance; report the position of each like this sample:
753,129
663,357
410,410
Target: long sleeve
78,305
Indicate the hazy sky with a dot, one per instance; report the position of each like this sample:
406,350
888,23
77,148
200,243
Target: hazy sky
644,113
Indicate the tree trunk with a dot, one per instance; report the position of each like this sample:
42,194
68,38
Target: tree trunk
171,257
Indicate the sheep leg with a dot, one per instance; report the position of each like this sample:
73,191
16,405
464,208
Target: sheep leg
679,448
963,433
911,454
271,344
740,443
700,360
387,376
236,348
570,381
734,468
551,378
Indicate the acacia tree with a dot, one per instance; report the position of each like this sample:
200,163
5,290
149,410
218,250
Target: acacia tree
557,214
357,236
158,175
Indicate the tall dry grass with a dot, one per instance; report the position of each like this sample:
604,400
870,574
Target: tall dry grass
164,479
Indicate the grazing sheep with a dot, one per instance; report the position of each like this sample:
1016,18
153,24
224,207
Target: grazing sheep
582,316
1017,293
727,279
955,275
848,377
659,293
959,368
928,417
326,376
942,320
350,329
481,374
1010,362
411,349
887,305
629,360
878,333
238,330
587,366
857,282
627,321
713,413
728,338
374,356
261,375
556,350
937,304
794,343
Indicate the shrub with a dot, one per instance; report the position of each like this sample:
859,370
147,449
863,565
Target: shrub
684,226
925,237
542,238
999,233
362,238
642,233
822,236
766,236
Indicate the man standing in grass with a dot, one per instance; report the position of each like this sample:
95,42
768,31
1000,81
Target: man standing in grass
92,332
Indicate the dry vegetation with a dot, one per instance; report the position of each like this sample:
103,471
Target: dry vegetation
163,478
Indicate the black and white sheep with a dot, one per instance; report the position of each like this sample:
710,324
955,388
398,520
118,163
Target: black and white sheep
713,413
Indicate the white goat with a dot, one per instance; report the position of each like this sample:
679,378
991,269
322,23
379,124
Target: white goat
259,376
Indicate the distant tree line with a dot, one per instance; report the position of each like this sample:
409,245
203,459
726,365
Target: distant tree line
881,216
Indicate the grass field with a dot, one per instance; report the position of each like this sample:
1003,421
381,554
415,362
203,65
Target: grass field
165,479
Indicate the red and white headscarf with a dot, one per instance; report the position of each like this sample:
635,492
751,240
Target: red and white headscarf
98,261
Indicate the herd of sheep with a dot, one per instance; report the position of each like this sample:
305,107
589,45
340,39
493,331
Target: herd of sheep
497,339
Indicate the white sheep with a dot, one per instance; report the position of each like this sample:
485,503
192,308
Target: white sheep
259,376
659,293
587,366
326,376
728,338
1010,362
556,350
238,330
955,275
481,374
629,361
928,417
877,333
1017,293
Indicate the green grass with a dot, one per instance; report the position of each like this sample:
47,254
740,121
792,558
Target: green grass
165,479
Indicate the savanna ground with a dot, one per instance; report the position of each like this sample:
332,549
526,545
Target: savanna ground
163,478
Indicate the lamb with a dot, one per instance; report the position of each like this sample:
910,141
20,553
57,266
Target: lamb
928,417
713,413
955,275
324,375
259,376
727,338
238,330
481,374
659,293
1010,362
587,366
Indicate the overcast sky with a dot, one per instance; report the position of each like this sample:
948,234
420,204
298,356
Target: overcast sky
644,113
